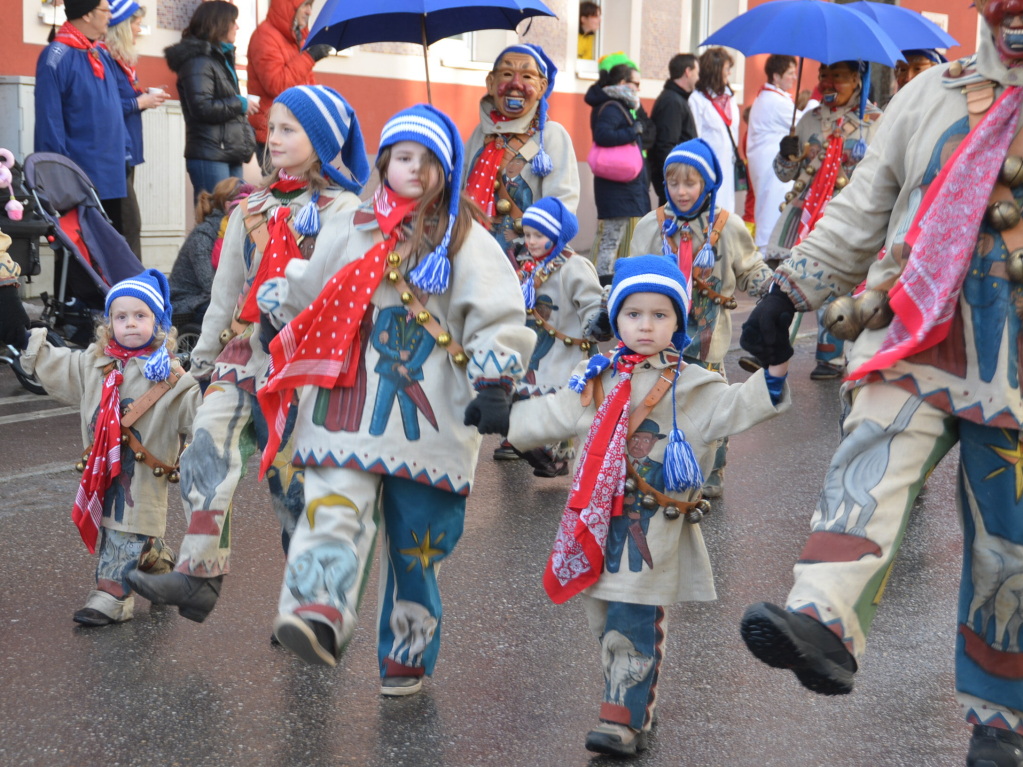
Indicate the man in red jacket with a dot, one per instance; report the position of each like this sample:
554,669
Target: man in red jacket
277,61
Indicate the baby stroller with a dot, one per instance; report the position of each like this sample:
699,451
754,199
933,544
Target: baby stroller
90,254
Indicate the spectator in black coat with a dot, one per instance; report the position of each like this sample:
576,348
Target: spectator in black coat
672,119
218,137
617,202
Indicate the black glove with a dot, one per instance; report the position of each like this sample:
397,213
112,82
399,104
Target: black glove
788,147
319,51
765,334
489,411
600,327
13,319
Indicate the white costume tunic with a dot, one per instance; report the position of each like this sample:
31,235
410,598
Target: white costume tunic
711,128
770,119
708,409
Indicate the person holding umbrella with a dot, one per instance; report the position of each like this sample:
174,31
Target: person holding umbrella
937,195
516,155
820,157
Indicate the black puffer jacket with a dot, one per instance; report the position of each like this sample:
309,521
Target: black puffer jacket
612,125
215,124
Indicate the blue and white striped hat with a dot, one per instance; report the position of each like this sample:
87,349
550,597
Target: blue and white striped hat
122,10
650,274
151,288
550,217
541,163
427,125
333,129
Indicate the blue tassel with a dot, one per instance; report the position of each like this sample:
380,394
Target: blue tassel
529,291
433,272
307,222
541,164
859,150
594,367
157,367
577,384
705,258
681,471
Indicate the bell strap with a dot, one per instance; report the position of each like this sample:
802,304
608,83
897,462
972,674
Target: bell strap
412,304
511,149
138,408
160,469
583,343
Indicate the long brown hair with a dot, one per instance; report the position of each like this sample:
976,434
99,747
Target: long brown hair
427,230
712,66
211,21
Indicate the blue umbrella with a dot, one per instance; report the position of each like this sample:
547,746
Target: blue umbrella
344,23
907,28
813,29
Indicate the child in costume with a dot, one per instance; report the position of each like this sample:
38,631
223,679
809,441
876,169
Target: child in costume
298,211
563,304
717,247
136,402
405,338
629,541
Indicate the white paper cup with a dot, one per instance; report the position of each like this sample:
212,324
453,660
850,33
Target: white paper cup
157,91
253,98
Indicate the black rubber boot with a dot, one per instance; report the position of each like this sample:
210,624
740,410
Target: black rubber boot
994,747
783,639
194,597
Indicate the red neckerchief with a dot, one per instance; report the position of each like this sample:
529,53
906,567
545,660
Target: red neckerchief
390,208
822,188
497,117
287,183
774,89
298,359
723,105
130,72
281,247
480,185
577,559
72,37
943,236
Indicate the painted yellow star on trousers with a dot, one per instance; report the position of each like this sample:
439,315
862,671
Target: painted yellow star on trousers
425,552
1013,457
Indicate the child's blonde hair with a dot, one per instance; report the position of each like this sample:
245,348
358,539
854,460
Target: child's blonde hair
681,172
120,41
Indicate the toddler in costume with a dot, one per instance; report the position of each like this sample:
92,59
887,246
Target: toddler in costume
718,250
563,304
319,159
629,541
426,342
136,402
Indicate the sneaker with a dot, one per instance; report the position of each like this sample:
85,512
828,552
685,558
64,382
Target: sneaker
714,487
994,747
825,371
313,641
506,452
805,646
543,464
750,364
616,740
102,609
400,686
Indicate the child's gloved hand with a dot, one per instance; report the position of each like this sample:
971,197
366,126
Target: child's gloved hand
489,411
600,326
13,319
765,334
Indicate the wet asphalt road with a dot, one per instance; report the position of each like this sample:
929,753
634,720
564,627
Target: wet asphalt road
517,682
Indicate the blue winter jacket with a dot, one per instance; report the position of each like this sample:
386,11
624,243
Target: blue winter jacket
132,116
80,116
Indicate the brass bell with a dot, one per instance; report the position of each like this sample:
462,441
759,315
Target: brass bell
140,456
423,317
1014,265
718,300
703,505
671,512
1011,173
406,297
840,319
124,439
80,466
1002,215
630,485
394,258
790,196
841,182
393,276
811,169
731,303
503,207
704,292
799,186
649,502
781,208
585,346
552,332
444,339
568,341
174,477
225,336
955,69
157,471
461,359
497,184
694,516
518,225
873,310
